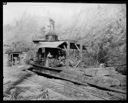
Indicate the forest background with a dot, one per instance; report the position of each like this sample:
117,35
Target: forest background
100,27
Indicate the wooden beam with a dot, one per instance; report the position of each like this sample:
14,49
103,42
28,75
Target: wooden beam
77,47
81,49
77,63
12,59
65,49
67,53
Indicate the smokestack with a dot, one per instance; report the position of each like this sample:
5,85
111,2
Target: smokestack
52,25
51,35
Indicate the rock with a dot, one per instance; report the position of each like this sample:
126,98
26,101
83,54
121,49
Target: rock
102,72
110,68
96,72
90,71
107,81
102,65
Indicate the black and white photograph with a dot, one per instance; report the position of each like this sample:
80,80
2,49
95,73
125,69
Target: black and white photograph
64,51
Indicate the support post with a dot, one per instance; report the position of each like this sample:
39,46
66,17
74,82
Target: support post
12,59
77,47
80,54
67,54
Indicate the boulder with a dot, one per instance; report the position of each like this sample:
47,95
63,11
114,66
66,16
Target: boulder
102,72
107,81
90,72
96,72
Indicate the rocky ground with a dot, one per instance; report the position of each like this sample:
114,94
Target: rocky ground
24,85
20,84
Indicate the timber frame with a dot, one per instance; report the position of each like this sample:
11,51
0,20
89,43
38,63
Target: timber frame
67,45
80,49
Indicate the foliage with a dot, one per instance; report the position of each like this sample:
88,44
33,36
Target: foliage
102,31
110,48
19,46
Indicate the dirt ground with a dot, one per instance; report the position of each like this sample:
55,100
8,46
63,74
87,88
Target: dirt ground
20,84
23,85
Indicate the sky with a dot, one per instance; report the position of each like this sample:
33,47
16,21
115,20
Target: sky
67,16
61,13
57,11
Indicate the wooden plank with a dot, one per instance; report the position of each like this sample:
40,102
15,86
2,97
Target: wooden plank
67,54
91,83
48,68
